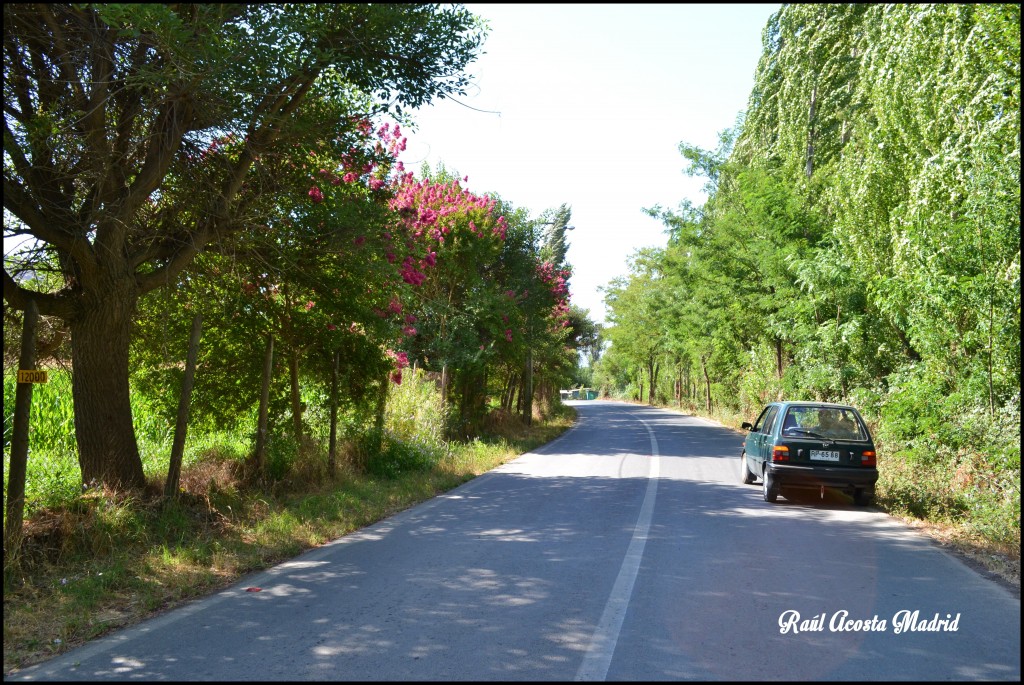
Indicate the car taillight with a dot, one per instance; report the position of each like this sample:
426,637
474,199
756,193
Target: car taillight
867,458
780,453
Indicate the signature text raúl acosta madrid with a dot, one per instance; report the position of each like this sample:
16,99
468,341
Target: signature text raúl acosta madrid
903,621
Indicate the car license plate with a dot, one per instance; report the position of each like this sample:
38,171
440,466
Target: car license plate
825,455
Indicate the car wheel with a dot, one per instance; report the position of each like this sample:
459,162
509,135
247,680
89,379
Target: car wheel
863,499
771,490
745,475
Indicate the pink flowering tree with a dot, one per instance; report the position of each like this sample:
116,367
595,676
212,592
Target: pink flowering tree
480,294
452,240
315,278
538,276
104,105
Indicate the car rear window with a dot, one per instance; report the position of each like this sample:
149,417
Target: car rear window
834,423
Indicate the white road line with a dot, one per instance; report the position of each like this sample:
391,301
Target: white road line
606,635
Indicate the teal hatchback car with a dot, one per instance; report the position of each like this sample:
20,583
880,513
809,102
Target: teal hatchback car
810,446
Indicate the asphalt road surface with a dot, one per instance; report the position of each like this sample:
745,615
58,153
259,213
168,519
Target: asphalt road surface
626,549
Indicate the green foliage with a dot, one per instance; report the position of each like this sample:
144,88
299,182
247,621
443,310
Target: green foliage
759,383
202,148
415,413
51,418
386,456
282,451
413,437
860,242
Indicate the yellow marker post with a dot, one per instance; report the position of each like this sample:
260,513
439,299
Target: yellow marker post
32,376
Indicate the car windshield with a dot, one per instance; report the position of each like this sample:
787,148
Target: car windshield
834,423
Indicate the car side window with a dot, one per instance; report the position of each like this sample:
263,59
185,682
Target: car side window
769,420
760,420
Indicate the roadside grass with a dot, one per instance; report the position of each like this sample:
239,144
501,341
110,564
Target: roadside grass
95,562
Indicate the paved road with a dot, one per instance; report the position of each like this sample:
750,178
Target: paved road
625,550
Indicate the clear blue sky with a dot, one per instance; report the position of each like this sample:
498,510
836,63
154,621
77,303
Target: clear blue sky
592,102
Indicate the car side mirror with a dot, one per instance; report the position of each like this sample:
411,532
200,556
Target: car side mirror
746,425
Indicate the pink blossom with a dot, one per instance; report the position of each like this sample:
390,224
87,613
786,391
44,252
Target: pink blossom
316,195
376,184
401,359
396,377
412,276
350,177
409,330
309,305
359,239
508,334
410,318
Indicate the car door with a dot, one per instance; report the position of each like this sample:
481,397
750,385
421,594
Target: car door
758,438
750,442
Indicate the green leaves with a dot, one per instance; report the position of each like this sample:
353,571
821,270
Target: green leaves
863,215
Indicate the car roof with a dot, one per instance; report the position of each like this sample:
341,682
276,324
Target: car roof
800,403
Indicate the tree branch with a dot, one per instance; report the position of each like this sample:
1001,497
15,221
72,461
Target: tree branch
58,305
18,202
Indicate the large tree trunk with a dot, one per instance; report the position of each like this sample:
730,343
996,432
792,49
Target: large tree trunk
100,332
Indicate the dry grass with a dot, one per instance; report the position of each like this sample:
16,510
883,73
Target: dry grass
999,563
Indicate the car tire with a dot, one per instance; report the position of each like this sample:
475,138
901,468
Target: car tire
771,490
863,499
745,475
